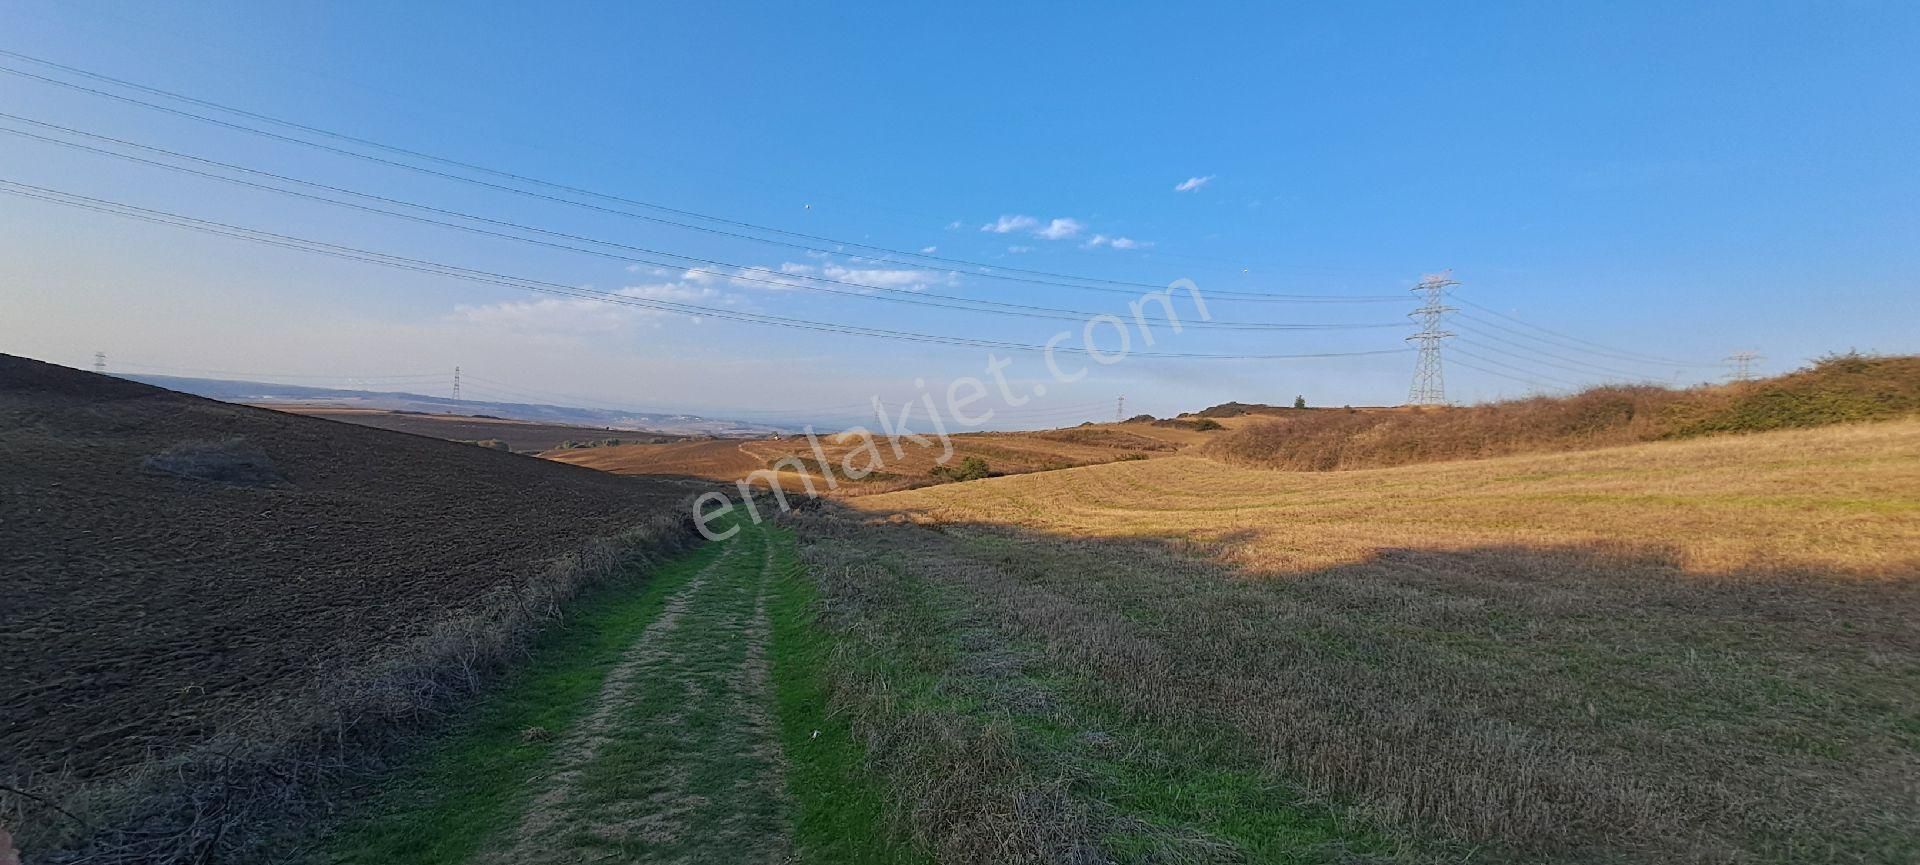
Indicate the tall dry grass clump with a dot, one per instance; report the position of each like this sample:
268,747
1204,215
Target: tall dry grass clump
1837,389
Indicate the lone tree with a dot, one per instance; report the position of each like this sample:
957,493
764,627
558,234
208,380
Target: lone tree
1299,402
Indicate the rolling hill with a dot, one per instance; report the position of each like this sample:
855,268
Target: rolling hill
185,575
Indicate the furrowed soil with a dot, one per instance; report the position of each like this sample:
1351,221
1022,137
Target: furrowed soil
174,563
520,436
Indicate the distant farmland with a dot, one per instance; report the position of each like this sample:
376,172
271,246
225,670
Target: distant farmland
729,460
518,436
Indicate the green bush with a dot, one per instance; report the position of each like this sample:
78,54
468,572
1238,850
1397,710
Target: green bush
969,469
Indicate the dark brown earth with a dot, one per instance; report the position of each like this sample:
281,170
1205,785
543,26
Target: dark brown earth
140,609
521,436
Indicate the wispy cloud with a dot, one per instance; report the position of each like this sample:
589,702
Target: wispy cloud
1061,229
1193,183
583,316
794,275
1010,223
1058,228
1016,250
929,250
1116,242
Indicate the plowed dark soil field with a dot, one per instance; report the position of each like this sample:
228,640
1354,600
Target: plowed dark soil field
168,562
521,436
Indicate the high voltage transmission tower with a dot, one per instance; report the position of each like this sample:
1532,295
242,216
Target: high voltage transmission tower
456,382
1429,380
1743,362
1120,409
100,362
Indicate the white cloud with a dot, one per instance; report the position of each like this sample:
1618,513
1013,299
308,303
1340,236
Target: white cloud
581,315
911,280
1019,249
929,250
792,275
1010,223
1061,229
1192,183
1058,228
1100,240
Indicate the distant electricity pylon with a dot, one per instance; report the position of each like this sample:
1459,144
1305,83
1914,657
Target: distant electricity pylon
100,362
1743,362
1429,380
456,382
1120,409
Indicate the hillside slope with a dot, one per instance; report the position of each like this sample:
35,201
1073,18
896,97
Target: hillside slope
174,564
1838,389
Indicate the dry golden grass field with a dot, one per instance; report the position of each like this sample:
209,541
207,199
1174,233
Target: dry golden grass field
729,460
1703,651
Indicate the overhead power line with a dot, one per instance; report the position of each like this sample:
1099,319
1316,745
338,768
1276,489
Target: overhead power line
1595,348
770,276
1536,357
527,284
1512,372
1523,380
802,241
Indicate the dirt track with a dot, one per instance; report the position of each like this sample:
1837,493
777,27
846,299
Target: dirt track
143,609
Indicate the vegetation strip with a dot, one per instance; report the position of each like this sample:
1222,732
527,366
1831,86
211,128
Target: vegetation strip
683,722
995,752
840,813
448,806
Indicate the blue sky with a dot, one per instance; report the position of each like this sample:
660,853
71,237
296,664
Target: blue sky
1680,180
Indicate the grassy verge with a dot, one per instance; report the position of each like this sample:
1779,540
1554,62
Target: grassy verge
993,751
472,782
840,810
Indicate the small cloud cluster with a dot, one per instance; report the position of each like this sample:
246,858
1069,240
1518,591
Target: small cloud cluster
1010,223
1192,184
795,275
1117,242
1054,229
583,315
1059,228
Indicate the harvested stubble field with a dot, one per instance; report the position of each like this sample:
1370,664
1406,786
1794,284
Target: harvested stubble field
1703,651
1006,453
183,574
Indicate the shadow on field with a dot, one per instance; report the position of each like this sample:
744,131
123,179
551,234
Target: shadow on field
1595,703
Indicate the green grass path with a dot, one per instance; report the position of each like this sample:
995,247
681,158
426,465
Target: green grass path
682,719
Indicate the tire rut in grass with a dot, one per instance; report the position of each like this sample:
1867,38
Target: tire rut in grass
678,760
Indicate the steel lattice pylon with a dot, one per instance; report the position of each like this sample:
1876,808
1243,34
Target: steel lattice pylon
1429,378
